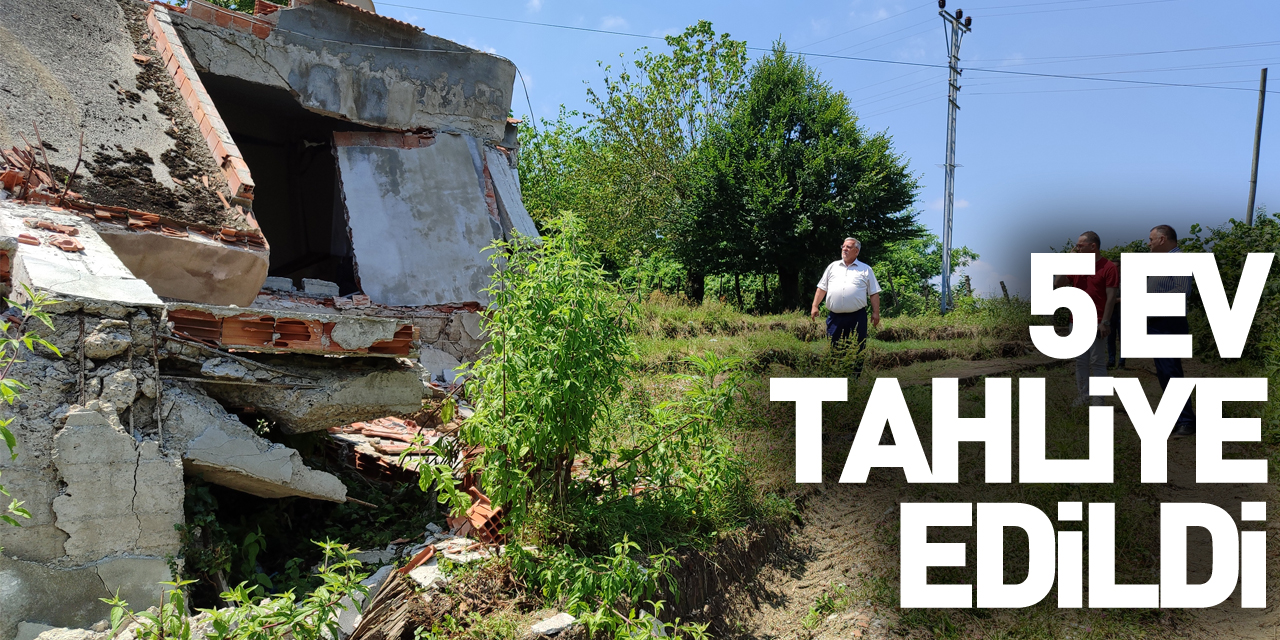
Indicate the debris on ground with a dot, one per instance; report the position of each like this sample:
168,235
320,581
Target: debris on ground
553,626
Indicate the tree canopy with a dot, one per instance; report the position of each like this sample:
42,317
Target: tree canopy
788,175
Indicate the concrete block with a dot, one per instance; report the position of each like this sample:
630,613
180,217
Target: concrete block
439,365
276,283
553,625
319,287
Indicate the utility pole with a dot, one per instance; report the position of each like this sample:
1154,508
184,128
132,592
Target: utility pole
1257,142
958,26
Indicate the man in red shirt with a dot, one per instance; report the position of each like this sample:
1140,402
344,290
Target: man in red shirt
1103,287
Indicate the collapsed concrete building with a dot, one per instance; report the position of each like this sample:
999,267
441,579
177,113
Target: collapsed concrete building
283,212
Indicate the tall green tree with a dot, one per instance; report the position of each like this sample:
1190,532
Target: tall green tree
906,268
626,166
788,175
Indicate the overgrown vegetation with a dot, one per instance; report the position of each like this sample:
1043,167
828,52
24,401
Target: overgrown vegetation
249,616
605,485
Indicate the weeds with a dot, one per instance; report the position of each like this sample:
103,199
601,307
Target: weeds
251,617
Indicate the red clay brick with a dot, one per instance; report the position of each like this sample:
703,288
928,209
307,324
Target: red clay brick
201,11
261,30
205,125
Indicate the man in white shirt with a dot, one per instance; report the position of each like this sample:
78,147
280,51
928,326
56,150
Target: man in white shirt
848,287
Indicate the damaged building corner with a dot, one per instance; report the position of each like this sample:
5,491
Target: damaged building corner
278,215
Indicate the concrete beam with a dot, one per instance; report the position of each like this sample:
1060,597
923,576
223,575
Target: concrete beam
343,62
341,394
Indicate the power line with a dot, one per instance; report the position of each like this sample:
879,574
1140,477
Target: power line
1103,6
804,53
845,33
1101,56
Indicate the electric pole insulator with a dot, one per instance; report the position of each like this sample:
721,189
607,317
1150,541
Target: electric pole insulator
942,4
959,14
968,22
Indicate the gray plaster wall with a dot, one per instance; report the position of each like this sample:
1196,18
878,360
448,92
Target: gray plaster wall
418,222
70,597
348,64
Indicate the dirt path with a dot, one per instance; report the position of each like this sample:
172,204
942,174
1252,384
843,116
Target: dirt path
835,576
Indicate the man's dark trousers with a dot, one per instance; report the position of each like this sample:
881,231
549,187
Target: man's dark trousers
841,326
1167,368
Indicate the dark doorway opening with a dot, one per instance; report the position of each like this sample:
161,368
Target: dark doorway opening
297,193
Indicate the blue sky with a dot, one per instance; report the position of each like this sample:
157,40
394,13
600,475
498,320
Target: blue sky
1043,158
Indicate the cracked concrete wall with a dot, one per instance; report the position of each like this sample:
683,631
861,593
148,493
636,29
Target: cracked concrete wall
457,334
119,494
122,369
359,67
103,497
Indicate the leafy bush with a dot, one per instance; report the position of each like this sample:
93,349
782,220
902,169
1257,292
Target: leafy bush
251,617
606,592
558,349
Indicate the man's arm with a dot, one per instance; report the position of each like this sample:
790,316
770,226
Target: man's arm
875,309
1105,327
1061,281
817,300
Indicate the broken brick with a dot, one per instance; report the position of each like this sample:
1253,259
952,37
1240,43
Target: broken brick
67,243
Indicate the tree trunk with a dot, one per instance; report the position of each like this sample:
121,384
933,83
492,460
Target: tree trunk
789,287
737,286
697,286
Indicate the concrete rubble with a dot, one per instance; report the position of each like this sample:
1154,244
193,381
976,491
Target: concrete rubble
272,216
555,625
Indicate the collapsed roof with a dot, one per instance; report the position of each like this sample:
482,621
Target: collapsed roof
318,141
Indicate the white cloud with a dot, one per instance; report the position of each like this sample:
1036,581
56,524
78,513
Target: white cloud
534,5
669,31
613,22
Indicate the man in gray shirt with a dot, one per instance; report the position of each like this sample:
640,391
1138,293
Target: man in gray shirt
848,286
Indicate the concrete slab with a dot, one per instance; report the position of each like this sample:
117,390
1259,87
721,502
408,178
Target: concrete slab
301,331
69,66
193,268
343,393
94,273
507,183
220,448
418,222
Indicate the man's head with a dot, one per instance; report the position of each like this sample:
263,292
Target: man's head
849,250
1088,242
1162,239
